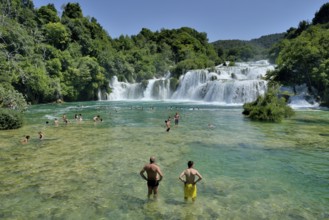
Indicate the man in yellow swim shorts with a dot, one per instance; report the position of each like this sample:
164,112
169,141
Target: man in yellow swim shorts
190,190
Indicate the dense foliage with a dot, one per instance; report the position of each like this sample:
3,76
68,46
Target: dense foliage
239,50
47,57
12,99
303,56
269,107
12,104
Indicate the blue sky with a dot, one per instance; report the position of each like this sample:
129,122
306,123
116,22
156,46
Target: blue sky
220,19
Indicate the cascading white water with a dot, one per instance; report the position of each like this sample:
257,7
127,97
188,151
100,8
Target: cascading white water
122,90
227,85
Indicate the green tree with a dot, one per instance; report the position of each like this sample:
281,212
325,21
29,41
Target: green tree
269,107
56,35
72,10
322,16
300,58
12,99
47,14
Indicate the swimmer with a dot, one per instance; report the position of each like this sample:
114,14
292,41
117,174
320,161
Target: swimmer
64,117
41,135
168,124
25,140
56,122
96,118
190,190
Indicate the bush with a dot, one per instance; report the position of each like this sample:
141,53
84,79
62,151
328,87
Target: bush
10,98
268,108
10,119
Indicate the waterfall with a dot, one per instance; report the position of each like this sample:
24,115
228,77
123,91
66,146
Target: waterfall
158,89
225,84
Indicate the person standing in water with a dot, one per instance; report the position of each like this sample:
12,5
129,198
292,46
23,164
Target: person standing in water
154,176
167,124
176,117
190,190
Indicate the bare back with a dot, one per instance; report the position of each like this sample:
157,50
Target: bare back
152,171
190,174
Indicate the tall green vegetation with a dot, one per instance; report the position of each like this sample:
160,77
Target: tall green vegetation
303,56
47,57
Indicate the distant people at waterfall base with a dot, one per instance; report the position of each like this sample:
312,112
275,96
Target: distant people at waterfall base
211,126
56,122
188,177
167,124
153,178
97,118
78,117
25,139
65,120
176,118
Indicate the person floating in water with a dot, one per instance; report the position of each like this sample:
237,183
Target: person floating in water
154,176
25,140
176,117
167,124
41,135
190,190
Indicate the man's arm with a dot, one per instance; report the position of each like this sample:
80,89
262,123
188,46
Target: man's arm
142,174
199,177
160,173
181,177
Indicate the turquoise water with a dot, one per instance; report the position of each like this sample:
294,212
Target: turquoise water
88,170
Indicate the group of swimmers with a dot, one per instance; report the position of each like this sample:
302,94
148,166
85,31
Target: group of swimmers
155,175
26,139
77,117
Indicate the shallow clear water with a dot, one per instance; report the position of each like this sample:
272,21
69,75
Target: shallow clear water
87,170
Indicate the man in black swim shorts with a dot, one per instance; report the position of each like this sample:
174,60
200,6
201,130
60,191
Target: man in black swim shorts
152,183
154,176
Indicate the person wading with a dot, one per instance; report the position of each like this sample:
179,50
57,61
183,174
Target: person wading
154,176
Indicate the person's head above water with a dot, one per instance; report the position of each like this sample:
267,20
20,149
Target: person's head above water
190,164
152,159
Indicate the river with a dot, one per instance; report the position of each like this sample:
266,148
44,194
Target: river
90,170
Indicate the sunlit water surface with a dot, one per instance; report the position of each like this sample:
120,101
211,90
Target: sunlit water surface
87,170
